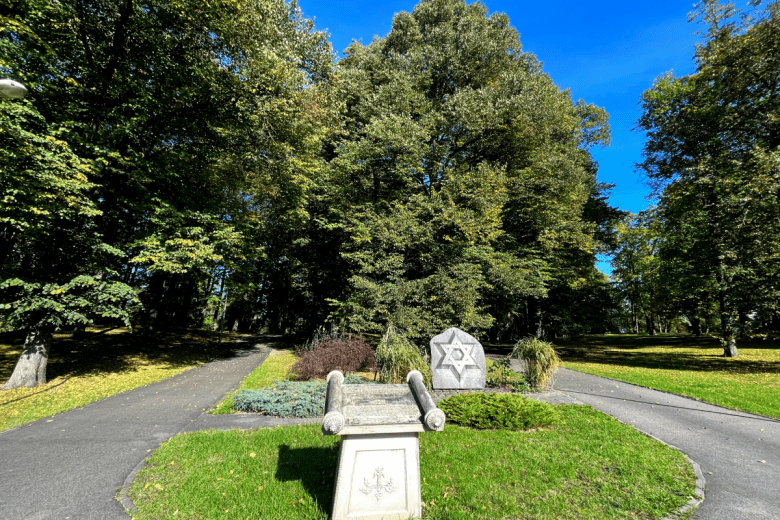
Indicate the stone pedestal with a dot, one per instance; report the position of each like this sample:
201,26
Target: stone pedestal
378,476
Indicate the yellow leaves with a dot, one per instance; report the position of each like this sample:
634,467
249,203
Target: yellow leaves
158,487
259,488
252,454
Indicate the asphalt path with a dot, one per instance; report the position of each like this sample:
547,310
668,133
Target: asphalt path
71,465
739,453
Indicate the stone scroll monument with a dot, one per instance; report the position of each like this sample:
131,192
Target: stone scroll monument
457,361
378,475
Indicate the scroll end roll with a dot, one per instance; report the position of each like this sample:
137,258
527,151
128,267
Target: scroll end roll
336,374
435,419
332,423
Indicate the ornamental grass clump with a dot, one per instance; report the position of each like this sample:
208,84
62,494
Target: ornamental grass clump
396,357
541,361
497,411
345,353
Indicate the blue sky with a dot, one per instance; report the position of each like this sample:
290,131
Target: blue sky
606,52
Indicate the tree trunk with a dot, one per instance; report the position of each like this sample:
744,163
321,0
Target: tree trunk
650,324
30,370
79,330
696,325
727,339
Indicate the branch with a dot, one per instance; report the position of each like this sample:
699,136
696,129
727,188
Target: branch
120,37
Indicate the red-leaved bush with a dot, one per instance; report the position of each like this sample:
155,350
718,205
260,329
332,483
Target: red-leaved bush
348,354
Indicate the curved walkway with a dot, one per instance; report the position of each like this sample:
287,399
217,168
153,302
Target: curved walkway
739,453
71,465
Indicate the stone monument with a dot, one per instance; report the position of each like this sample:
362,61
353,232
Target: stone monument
378,476
457,361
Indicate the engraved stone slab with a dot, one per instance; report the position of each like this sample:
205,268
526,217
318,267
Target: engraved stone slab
379,477
364,405
457,361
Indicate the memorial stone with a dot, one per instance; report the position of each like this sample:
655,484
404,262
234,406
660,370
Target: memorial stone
457,361
378,476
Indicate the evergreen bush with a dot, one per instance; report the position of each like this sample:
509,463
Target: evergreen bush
288,398
396,357
541,361
345,353
497,411
284,399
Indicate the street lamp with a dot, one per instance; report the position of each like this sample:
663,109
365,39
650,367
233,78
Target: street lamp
12,89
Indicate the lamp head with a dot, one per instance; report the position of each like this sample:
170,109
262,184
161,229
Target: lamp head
12,89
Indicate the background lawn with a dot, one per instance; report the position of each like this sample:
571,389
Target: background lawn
103,363
588,466
684,365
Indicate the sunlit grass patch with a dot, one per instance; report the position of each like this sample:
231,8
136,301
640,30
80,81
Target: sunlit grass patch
99,365
276,367
687,366
588,466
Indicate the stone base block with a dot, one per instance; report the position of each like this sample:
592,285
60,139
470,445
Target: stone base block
378,477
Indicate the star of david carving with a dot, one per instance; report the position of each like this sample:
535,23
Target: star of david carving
454,347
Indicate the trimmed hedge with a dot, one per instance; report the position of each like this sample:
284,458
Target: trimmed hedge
497,411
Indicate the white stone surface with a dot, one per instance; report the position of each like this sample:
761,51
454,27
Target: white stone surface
457,361
378,477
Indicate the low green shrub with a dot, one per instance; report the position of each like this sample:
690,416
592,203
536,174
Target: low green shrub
541,359
500,375
497,411
396,357
284,399
288,398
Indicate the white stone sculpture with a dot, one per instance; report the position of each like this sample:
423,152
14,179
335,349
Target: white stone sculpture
378,476
457,361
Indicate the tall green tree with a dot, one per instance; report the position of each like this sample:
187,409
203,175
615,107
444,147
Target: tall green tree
460,174
712,146
156,131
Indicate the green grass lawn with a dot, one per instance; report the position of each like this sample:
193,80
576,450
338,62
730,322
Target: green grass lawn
101,364
685,365
588,466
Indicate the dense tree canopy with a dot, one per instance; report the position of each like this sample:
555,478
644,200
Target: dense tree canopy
176,159
152,131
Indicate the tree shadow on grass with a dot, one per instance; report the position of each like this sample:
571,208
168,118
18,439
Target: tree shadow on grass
118,351
629,351
315,468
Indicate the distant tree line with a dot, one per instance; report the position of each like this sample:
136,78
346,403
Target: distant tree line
707,257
